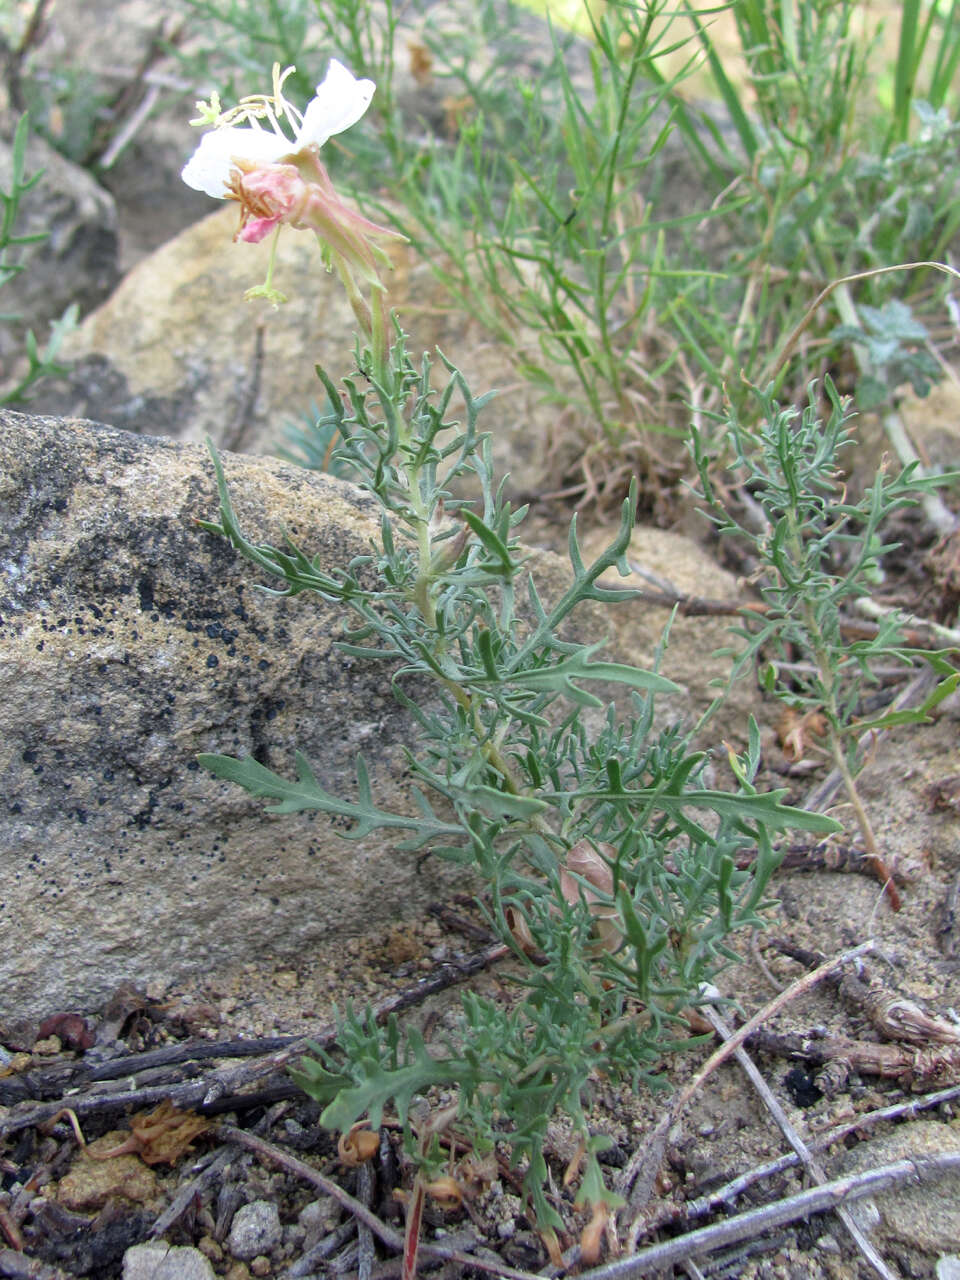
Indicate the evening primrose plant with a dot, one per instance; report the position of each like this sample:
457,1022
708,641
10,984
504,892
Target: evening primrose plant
610,868
818,553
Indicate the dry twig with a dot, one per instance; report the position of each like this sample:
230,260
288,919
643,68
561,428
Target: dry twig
802,1206
642,1169
219,1090
912,1068
731,1191
808,1159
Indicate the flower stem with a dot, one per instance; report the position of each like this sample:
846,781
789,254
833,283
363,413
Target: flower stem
356,299
828,684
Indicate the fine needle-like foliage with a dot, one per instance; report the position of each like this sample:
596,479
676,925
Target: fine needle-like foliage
818,553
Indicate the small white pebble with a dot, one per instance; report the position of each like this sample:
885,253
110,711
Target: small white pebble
255,1230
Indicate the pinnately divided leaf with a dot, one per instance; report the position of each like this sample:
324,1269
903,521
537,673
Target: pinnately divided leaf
306,793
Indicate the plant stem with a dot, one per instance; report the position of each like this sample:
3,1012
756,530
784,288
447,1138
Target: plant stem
874,857
828,683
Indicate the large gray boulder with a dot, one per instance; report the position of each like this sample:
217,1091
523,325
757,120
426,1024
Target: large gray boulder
131,640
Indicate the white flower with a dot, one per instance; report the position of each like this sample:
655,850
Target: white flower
340,101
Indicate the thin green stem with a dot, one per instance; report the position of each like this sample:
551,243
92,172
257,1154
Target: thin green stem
826,666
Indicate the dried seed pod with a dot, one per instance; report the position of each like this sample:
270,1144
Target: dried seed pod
584,862
446,1191
797,729
574,1164
517,924
357,1146
591,1237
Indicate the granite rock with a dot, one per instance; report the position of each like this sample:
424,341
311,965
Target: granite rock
176,351
159,1261
255,1230
131,640
925,1216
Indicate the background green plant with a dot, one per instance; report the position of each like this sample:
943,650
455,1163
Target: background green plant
545,204
40,361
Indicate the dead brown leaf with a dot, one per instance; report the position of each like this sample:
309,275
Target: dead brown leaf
160,1136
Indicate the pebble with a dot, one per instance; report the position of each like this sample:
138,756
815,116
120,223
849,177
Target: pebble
210,1248
256,1229
91,1182
948,1267
318,1218
159,1261
925,1217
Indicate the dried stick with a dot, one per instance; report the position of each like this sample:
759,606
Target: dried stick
644,1165
14,57
227,1080
949,915
913,1068
212,1167
735,1188
801,1206
306,1264
816,1170
389,1236
10,1228
365,1251
17,1266
893,1015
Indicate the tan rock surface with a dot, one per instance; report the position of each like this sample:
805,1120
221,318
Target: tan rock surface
926,1216
94,1179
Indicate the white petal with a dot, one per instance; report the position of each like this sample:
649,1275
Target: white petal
340,102
209,167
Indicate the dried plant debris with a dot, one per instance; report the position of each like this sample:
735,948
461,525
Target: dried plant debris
944,793
948,930
160,1136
